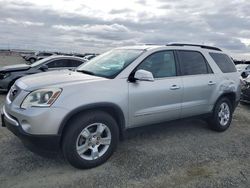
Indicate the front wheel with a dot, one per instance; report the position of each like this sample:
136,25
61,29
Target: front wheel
222,115
32,60
90,139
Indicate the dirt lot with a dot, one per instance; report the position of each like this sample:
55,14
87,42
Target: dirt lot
181,154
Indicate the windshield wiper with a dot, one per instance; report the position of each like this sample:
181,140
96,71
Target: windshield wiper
86,72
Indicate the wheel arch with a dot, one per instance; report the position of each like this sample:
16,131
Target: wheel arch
13,81
113,109
231,96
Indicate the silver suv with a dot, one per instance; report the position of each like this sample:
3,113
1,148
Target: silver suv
85,112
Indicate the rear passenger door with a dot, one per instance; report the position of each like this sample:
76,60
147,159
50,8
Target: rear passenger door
199,82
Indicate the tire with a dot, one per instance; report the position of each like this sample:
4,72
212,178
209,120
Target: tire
221,119
32,60
82,132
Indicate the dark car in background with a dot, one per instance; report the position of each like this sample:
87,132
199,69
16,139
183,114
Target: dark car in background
9,74
245,90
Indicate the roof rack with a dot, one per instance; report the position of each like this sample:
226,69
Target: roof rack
152,44
196,45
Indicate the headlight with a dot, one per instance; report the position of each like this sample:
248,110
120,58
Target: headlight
4,75
41,98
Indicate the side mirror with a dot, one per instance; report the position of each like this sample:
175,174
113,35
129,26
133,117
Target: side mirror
144,75
44,67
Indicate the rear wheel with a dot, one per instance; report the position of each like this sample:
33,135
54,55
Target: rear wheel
32,60
90,139
222,115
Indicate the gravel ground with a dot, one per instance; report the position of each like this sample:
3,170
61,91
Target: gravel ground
180,154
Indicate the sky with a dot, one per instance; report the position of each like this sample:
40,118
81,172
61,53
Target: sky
100,25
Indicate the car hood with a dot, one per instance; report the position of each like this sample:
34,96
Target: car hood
19,67
54,78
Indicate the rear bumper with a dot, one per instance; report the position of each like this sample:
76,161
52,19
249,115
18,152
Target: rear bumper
36,143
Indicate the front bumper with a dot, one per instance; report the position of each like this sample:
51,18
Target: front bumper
36,143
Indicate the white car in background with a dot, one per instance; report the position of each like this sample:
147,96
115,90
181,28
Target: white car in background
243,69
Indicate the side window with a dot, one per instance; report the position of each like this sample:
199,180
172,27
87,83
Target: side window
59,63
75,63
192,63
160,64
225,64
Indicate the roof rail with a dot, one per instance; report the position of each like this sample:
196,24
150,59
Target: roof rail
196,45
152,44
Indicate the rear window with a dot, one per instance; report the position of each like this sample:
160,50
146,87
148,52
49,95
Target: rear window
225,64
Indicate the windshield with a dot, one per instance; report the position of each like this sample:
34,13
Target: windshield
111,63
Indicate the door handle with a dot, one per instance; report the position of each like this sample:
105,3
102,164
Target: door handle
210,83
174,87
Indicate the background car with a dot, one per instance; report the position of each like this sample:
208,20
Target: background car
245,90
243,69
26,54
89,57
38,56
9,74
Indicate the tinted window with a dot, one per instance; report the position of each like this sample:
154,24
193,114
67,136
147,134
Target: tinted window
75,63
192,63
44,54
225,64
47,54
160,64
59,63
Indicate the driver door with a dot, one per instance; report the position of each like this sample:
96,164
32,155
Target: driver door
159,100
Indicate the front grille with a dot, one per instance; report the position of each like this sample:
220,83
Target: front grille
14,92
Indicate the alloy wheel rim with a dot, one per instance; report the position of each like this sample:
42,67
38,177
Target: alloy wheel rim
93,141
224,114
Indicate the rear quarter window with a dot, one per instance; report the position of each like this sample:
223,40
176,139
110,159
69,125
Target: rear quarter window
225,64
